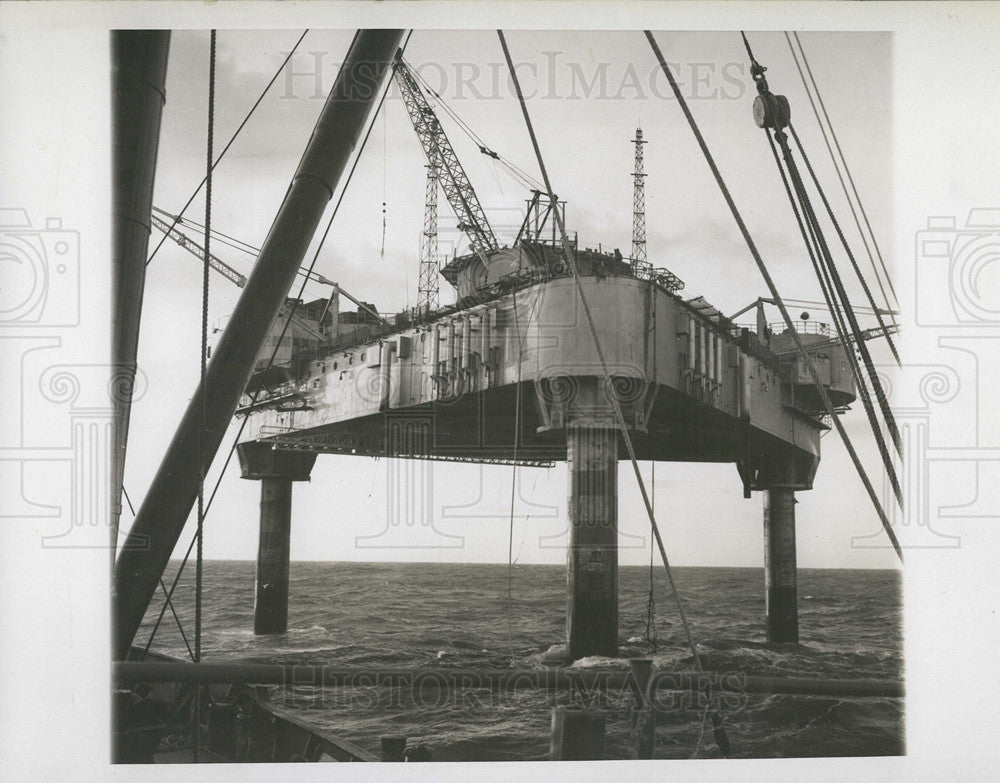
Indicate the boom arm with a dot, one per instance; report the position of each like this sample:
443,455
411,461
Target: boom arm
195,249
220,266
457,188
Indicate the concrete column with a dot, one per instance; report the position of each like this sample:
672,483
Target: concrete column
592,567
577,735
275,470
270,609
780,581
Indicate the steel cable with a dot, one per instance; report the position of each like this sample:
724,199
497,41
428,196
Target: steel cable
843,241
571,261
772,288
229,143
847,171
274,352
826,285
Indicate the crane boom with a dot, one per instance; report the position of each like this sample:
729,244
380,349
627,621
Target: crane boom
441,157
195,249
220,266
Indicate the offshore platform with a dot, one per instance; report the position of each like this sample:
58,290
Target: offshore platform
511,373
514,377
552,351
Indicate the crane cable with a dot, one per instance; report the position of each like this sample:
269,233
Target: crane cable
826,258
772,288
516,173
522,340
513,481
384,179
720,733
274,352
847,170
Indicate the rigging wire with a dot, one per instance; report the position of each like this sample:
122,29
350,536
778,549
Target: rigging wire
847,170
203,357
840,177
513,482
274,352
163,587
772,288
847,248
720,734
838,285
513,486
650,636
225,149
199,553
384,178
219,236
826,284
834,290
382,249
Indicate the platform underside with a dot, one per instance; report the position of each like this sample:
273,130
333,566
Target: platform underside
481,428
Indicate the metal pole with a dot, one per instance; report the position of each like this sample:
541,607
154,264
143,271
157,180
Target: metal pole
132,672
166,506
139,59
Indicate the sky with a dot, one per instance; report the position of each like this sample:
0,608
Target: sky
587,92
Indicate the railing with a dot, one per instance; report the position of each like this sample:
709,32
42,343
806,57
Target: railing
514,281
802,327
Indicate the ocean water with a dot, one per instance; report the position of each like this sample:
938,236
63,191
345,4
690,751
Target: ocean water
456,615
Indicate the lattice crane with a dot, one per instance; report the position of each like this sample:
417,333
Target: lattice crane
429,287
222,267
442,159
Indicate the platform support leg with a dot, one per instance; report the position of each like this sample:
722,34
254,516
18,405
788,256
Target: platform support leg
577,735
592,559
275,470
780,579
270,610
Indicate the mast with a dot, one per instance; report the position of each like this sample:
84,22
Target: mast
160,519
638,206
139,59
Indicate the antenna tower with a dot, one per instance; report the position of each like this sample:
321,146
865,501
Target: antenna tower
639,207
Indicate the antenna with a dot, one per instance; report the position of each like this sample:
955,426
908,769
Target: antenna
639,207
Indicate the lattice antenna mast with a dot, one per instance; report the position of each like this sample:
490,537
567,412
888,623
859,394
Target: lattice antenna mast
429,286
454,182
638,206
